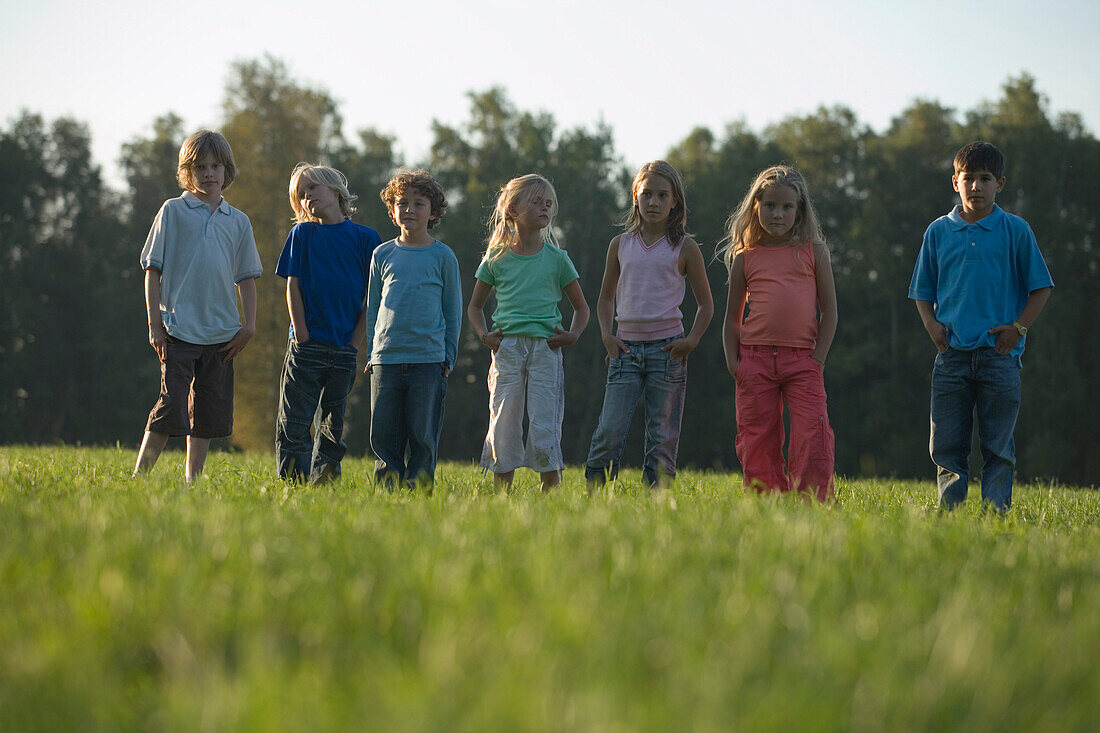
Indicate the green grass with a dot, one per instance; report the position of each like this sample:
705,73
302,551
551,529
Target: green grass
242,603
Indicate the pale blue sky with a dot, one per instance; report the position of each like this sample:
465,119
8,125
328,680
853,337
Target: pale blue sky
652,70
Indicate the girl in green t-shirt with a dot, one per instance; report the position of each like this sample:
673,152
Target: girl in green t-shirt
529,272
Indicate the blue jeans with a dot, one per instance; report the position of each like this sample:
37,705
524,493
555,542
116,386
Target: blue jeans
661,382
313,374
406,404
961,381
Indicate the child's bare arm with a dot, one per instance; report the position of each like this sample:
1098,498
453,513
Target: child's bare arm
360,329
475,314
696,271
581,315
826,301
247,289
1007,334
158,337
936,330
605,304
735,311
297,309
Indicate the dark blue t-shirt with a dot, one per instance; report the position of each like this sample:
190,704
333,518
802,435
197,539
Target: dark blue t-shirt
332,264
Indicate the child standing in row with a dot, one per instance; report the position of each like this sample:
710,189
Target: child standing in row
529,274
326,262
643,288
778,262
414,313
198,248
979,284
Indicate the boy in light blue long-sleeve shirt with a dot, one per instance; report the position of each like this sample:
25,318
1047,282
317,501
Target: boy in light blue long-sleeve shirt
413,317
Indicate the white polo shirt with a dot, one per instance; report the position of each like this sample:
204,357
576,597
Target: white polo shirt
201,257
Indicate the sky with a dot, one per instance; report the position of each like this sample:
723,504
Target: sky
653,71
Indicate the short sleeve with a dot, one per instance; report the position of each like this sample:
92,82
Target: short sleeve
485,273
152,254
247,262
290,259
1031,262
923,284
567,273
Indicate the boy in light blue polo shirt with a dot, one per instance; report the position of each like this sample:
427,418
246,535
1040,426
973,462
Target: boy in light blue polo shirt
414,313
198,248
979,284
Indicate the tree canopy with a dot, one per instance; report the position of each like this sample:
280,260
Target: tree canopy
75,367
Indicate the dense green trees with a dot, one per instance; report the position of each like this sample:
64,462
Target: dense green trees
74,365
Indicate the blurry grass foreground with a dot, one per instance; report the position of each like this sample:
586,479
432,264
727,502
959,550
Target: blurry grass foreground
243,603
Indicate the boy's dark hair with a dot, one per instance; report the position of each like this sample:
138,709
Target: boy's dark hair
980,156
421,182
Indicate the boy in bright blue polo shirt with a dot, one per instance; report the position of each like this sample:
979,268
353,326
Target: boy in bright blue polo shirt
326,263
979,284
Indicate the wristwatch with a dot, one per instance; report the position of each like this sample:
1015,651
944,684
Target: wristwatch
1020,328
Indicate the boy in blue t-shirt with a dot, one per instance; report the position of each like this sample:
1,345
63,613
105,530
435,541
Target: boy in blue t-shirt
979,284
326,263
414,313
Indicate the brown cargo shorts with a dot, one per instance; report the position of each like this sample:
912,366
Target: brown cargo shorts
196,392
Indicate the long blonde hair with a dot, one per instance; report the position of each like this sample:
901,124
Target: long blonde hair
502,225
743,228
677,217
322,175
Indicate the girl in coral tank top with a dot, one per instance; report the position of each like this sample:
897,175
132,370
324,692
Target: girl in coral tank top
779,264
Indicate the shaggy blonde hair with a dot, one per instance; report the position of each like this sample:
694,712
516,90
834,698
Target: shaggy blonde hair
322,175
677,217
502,225
743,228
197,146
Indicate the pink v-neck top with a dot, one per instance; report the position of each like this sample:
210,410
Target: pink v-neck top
782,301
650,290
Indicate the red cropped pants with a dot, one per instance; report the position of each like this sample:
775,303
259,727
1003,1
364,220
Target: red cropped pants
769,377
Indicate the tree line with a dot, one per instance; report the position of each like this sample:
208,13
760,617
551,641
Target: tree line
75,366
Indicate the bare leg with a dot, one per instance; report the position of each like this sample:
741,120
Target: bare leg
504,480
550,479
197,449
151,446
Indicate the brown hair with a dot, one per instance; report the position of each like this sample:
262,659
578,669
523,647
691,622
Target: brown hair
197,146
421,182
677,216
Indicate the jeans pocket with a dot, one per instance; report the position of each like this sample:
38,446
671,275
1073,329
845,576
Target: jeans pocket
614,368
675,369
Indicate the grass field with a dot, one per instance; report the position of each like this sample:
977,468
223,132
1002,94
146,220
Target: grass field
242,603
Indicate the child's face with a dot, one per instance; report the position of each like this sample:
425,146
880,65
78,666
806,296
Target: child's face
978,190
319,201
412,211
655,199
535,213
208,176
777,211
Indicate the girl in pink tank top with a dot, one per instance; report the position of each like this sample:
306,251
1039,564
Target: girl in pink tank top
643,287
779,265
